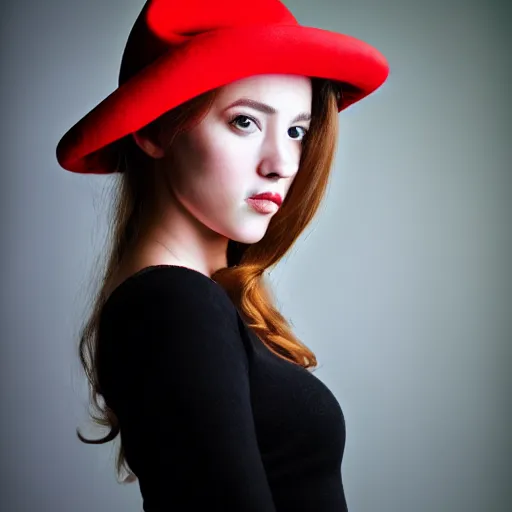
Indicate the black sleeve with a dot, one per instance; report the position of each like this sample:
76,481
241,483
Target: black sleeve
190,431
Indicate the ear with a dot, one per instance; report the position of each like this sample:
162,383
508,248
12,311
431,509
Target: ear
148,145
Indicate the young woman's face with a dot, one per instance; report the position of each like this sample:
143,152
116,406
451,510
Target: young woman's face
239,151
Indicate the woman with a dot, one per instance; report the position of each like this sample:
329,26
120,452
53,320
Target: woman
211,392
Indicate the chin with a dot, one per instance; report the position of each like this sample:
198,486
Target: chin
249,240
248,237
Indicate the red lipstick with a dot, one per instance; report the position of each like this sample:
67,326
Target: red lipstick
267,202
270,196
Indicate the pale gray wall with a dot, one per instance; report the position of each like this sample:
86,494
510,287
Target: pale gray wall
402,287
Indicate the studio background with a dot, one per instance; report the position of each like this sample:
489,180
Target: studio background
401,286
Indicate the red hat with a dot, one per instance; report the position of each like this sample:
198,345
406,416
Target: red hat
179,49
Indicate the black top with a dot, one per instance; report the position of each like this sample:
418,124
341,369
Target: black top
210,418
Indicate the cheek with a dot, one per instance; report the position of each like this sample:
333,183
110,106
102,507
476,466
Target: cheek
222,175
212,174
213,185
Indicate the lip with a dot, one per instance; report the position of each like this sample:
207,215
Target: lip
270,196
262,205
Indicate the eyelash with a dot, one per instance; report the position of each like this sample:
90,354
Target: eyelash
234,118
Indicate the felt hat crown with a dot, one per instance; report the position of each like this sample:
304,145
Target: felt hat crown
178,49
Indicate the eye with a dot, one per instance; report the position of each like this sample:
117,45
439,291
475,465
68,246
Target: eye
305,130
236,118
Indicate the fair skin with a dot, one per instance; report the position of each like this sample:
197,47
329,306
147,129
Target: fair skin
216,166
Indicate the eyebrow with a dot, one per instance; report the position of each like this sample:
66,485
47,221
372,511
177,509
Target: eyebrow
267,109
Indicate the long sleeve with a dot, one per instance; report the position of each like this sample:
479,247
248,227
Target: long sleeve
178,376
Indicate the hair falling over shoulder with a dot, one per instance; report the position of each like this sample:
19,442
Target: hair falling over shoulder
243,279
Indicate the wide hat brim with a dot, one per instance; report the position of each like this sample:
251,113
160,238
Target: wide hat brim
210,60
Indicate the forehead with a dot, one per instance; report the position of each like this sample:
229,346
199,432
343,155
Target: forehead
278,91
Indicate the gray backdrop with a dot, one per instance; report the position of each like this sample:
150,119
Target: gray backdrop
402,286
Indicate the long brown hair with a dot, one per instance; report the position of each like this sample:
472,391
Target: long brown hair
243,278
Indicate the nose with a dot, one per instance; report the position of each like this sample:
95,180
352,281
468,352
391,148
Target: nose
280,161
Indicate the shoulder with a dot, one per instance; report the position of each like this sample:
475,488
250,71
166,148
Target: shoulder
176,291
170,326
